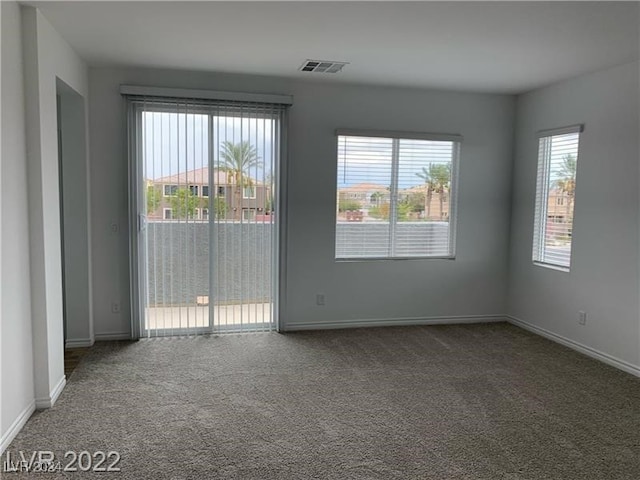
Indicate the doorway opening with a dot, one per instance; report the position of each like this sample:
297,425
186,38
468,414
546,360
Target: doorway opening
74,217
207,243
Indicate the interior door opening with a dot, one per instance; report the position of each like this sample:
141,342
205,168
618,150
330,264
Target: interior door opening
77,323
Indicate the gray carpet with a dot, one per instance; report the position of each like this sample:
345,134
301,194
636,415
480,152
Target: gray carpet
439,402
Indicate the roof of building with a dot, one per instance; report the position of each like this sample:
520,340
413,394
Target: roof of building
200,176
414,189
365,187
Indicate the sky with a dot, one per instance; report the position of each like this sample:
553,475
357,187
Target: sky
561,147
174,142
369,160
178,142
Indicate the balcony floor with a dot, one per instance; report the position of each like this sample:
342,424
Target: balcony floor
248,316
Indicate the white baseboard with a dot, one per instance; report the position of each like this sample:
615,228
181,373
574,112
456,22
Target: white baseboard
105,337
78,342
16,426
390,322
49,401
579,347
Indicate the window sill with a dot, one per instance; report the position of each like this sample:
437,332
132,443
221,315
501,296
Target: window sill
379,259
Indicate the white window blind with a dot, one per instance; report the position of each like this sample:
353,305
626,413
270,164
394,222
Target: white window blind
555,196
396,195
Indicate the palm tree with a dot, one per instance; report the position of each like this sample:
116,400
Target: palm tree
269,182
567,181
442,178
437,179
376,198
237,159
428,184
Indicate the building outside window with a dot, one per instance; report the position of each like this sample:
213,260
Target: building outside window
396,195
555,197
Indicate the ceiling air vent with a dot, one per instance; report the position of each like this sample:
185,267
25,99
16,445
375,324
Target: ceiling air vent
322,66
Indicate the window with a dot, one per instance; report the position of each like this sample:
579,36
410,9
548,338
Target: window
170,190
248,214
205,214
194,190
248,192
221,191
553,224
410,182
167,214
205,190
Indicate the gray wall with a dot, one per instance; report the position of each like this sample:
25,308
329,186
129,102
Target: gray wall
16,391
473,284
179,255
47,57
33,57
604,270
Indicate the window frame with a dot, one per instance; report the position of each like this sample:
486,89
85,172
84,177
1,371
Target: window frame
396,138
170,185
252,214
244,192
542,191
164,213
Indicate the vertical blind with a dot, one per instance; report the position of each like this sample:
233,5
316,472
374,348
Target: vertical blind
396,195
205,183
555,196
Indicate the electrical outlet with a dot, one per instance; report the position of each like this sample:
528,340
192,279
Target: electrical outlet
320,299
115,307
582,317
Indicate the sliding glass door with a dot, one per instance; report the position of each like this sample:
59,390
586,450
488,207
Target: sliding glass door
206,196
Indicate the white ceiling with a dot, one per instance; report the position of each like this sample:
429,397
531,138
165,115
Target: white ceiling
503,47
